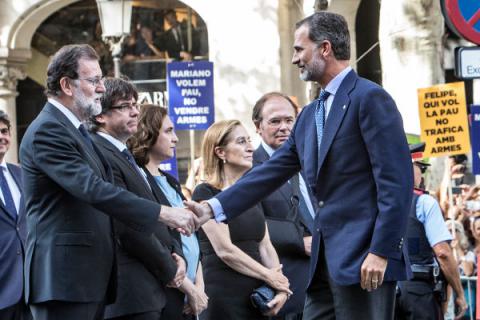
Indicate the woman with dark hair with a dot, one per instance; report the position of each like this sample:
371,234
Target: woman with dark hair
154,142
237,257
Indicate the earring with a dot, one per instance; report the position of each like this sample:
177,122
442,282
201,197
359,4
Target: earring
224,161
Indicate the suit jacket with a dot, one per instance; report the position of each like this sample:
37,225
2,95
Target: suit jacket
145,263
13,232
285,225
69,248
172,45
361,179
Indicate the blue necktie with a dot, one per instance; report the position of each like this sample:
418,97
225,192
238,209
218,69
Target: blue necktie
7,195
130,159
132,162
320,117
85,135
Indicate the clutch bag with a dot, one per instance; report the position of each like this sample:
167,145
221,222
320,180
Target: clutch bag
261,296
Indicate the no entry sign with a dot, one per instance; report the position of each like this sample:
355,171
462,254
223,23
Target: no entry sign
463,17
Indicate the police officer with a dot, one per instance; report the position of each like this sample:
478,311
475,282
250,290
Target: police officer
430,255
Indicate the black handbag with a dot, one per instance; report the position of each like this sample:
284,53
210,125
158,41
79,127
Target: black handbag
261,296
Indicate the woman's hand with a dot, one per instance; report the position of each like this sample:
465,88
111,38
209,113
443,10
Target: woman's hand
197,301
181,272
276,304
277,280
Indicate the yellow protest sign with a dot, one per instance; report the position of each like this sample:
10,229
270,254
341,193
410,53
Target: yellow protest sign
443,119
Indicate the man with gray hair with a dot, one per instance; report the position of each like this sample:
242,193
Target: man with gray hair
70,267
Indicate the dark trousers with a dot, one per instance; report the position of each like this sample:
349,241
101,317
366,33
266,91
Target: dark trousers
154,315
18,311
416,300
290,316
62,310
327,300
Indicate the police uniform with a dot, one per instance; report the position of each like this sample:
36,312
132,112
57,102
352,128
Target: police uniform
426,228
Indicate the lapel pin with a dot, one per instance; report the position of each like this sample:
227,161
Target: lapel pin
344,107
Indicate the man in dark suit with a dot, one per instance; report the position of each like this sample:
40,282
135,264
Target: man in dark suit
288,210
12,232
145,263
70,258
175,40
352,150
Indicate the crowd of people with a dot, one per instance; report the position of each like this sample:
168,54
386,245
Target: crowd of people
147,43
319,222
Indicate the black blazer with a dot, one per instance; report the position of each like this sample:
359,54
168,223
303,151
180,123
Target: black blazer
69,202
175,298
285,225
12,239
145,263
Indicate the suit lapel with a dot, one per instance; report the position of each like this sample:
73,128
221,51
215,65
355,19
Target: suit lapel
75,133
15,172
261,155
335,116
121,158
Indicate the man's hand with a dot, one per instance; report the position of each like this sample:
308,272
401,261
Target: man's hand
178,218
276,304
202,211
181,272
462,307
372,272
307,243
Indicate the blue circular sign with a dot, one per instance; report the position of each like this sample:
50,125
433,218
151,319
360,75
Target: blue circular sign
463,16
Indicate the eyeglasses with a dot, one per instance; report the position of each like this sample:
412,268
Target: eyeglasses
126,106
5,131
277,122
93,81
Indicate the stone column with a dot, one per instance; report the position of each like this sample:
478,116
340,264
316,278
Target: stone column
289,12
9,75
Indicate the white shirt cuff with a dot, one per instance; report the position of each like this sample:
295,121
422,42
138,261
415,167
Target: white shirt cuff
217,209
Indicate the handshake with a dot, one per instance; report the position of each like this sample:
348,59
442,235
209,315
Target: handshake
186,220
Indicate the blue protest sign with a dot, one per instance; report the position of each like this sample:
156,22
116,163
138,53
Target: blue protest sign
170,166
475,138
190,94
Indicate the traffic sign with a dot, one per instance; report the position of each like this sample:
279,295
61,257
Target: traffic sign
463,17
467,62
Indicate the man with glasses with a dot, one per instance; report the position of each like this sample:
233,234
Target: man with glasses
288,211
70,267
147,264
431,257
12,232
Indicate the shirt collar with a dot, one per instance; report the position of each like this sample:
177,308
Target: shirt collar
4,164
268,149
69,114
335,83
117,143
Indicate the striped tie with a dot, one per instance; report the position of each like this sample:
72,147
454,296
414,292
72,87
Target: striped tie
320,116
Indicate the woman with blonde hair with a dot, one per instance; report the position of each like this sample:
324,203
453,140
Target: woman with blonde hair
238,257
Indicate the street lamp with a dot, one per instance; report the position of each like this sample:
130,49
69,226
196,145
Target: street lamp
115,18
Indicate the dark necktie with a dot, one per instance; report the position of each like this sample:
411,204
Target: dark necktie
132,162
86,136
7,195
320,117
302,205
